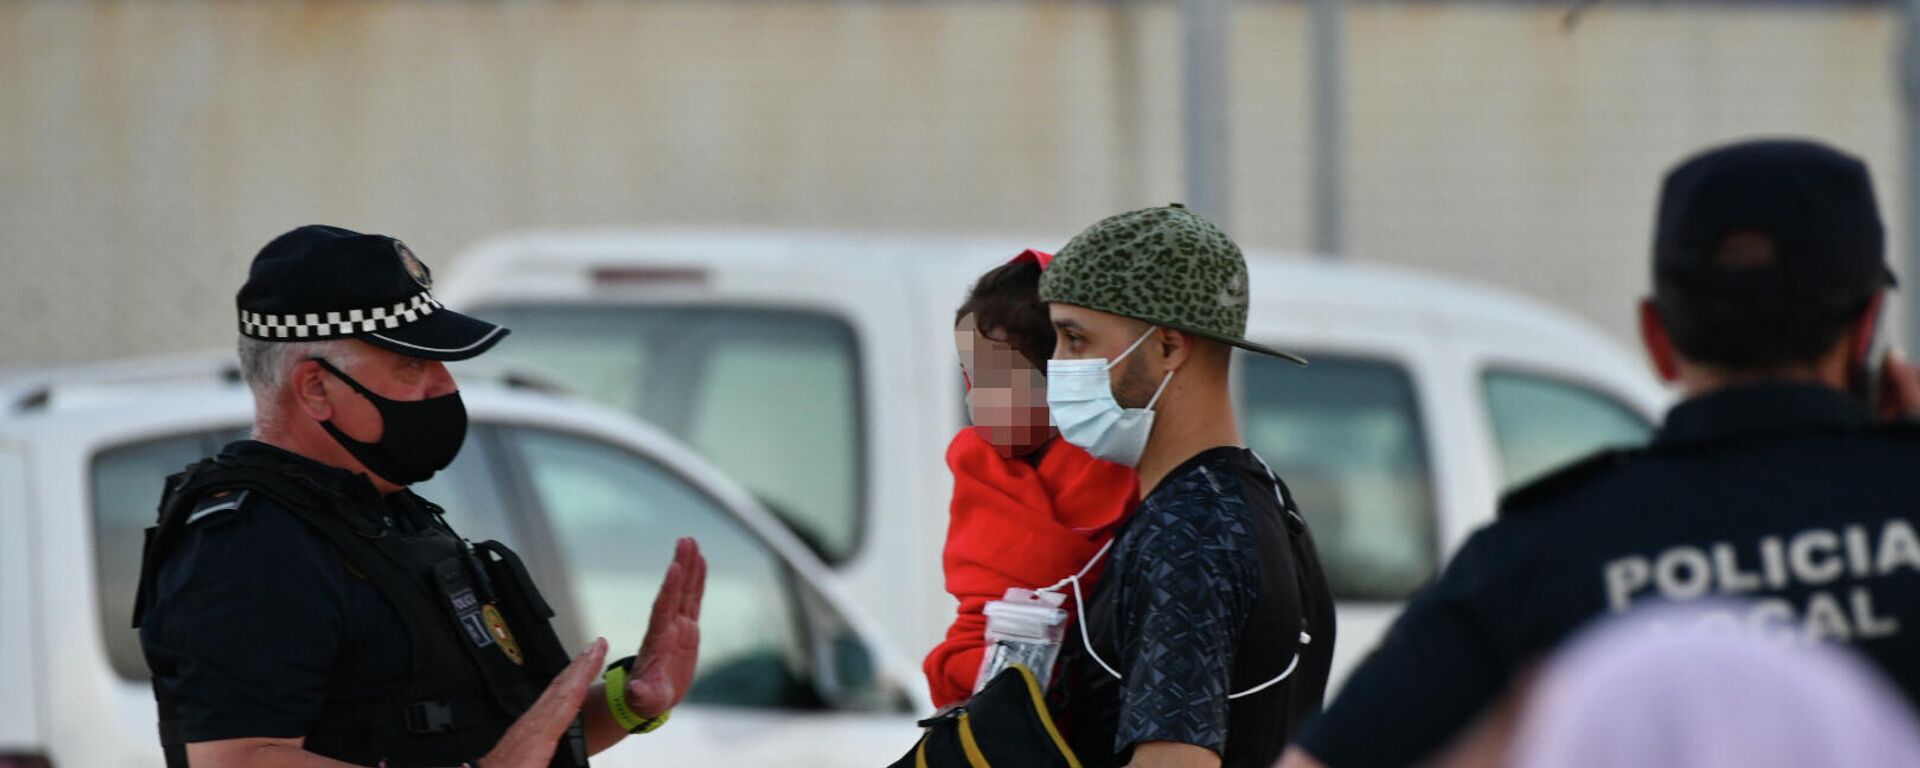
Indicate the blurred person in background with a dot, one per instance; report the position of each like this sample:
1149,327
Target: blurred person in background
299,607
1210,634
1678,687
1771,480
1027,509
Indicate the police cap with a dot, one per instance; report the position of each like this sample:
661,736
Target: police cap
319,282
1773,218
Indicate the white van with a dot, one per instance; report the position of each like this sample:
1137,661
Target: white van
818,369
792,671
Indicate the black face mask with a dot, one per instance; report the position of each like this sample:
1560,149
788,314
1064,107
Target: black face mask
417,437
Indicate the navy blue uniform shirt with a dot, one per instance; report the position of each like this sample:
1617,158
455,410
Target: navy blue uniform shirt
257,623
1206,591
1784,497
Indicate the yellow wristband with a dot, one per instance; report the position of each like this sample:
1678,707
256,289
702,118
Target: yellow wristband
616,679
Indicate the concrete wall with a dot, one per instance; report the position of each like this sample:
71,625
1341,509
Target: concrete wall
147,149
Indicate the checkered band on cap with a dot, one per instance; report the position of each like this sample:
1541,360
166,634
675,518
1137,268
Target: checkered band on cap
341,324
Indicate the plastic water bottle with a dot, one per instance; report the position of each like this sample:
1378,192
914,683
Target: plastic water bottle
1023,627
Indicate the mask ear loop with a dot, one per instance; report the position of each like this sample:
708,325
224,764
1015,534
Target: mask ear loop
1131,347
1164,381
1284,674
369,394
1079,606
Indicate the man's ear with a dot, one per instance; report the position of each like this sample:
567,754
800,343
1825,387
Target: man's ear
1653,334
307,385
1176,348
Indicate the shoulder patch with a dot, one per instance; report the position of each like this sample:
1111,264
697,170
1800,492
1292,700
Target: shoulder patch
1566,478
214,505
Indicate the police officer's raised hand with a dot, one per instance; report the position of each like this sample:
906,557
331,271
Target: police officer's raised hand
531,741
663,670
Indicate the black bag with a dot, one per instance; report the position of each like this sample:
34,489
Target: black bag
1006,724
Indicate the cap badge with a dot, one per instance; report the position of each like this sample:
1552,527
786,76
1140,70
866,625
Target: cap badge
1234,293
415,269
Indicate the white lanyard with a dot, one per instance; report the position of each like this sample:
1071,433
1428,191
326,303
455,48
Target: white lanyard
1080,610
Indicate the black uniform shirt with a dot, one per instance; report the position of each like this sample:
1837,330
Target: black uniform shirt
257,624
1204,594
1782,496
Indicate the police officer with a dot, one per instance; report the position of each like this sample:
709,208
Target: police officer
1770,483
299,606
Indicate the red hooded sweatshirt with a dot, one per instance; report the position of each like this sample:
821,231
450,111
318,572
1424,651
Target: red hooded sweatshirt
1017,525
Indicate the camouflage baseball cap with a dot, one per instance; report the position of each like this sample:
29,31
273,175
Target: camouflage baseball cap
1166,266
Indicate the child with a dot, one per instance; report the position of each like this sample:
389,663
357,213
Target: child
1028,510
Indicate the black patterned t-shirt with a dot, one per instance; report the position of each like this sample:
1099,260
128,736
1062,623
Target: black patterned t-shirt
1206,593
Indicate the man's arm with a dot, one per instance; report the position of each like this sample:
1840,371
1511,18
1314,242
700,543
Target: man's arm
1443,661
1172,754
243,611
528,744
257,753
1180,629
663,670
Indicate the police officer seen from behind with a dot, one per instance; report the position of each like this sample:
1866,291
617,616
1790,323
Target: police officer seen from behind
1770,483
1210,633
299,607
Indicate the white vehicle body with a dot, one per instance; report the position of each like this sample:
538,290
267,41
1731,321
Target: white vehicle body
1446,338
68,705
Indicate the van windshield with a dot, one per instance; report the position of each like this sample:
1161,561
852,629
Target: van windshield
770,396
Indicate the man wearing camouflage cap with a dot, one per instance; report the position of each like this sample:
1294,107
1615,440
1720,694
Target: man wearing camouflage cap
1210,635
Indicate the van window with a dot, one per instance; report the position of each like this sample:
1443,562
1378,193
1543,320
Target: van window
771,397
1345,436
1541,423
127,481
614,517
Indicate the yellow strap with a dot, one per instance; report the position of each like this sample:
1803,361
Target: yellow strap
629,720
969,746
1046,717
920,755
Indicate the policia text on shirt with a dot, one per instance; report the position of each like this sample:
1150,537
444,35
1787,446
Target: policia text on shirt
1856,554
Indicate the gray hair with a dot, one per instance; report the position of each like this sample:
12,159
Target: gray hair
264,366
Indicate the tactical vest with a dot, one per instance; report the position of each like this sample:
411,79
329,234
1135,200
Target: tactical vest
471,676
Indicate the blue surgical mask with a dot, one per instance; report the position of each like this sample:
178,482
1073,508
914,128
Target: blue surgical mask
1080,395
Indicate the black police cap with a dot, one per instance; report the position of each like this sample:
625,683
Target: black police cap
319,282
1779,218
